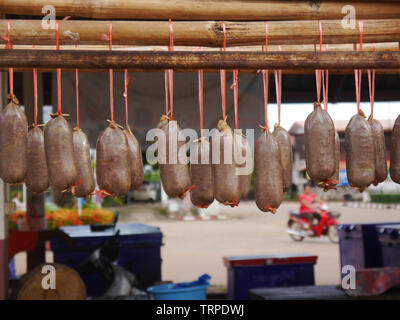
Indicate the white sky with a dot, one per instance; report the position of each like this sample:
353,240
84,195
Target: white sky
292,112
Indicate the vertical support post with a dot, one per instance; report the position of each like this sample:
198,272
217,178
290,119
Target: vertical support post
3,210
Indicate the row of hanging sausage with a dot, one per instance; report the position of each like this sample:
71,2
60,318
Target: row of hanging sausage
60,157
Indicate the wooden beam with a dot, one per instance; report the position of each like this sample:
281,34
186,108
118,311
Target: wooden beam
247,71
204,9
151,61
199,33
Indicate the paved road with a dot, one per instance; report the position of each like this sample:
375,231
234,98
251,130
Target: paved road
193,248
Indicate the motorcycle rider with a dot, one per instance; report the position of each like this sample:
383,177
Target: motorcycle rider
307,200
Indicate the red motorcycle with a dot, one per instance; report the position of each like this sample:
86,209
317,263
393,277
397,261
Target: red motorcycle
299,227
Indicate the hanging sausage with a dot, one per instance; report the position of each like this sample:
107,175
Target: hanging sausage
378,134
268,180
135,153
82,153
242,150
113,169
360,150
37,178
282,136
202,194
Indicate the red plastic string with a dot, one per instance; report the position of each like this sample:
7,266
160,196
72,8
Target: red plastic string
35,93
126,81
77,96
357,72
166,92
171,72
235,86
325,83
111,73
371,87
222,75
265,79
278,88
76,90
58,74
171,92
318,72
169,77
265,86
10,70
201,100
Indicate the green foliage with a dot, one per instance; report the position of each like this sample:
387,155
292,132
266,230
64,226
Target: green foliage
153,176
112,202
89,204
385,198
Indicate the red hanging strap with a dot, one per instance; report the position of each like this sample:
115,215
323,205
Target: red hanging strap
325,82
126,82
77,93
357,72
77,96
222,74
318,72
371,87
201,100
111,73
166,92
265,79
58,74
235,87
278,88
169,78
35,93
10,70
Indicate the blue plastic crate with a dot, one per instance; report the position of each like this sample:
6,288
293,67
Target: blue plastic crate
359,245
389,238
140,252
249,272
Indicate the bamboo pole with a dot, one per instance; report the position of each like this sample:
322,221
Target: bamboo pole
199,33
151,61
385,46
204,9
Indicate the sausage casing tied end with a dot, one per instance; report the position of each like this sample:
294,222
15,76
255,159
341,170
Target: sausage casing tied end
268,185
112,161
13,144
395,152
226,181
244,163
174,171
84,164
135,159
360,156
37,178
59,147
380,151
319,145
285,147
202,194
